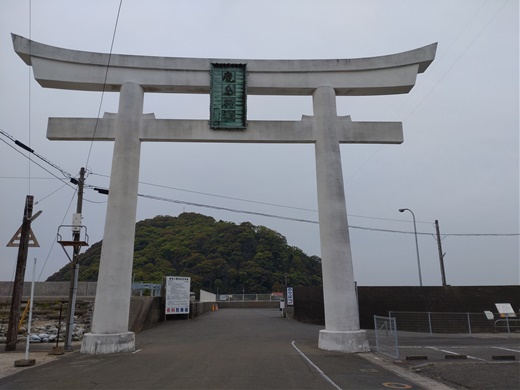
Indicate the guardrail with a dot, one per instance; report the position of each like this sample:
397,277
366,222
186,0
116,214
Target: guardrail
145,288
438,322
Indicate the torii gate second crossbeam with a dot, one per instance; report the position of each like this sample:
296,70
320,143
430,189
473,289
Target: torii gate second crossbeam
132,76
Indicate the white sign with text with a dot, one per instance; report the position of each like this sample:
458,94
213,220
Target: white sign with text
177,295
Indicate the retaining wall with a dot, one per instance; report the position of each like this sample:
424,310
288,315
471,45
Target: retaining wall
308,301
49,289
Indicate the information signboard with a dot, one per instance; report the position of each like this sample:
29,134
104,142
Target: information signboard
228,96
177,295
505,310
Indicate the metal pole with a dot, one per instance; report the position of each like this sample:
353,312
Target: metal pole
441,255
416,244
59,325
507,323
30,313
469,324
394,322
430,323
376,327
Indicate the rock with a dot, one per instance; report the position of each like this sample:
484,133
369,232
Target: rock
35,339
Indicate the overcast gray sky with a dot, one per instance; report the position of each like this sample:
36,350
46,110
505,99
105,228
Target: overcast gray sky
459,162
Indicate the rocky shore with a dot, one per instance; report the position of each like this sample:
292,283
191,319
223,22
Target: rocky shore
47,326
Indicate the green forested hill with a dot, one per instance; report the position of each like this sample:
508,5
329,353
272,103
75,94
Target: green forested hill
215,254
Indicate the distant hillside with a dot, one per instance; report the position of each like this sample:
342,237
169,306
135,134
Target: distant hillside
215,254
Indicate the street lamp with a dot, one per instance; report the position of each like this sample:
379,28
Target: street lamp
416,243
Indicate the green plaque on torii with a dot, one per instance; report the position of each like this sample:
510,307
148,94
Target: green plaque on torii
228,96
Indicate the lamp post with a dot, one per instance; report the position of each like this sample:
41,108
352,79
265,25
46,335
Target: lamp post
416,243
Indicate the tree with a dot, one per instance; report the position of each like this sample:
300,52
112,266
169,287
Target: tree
215,254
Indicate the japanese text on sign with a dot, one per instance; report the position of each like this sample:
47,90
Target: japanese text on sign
290,296
228,96
177,295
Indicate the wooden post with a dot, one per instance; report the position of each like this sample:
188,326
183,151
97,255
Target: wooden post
14,316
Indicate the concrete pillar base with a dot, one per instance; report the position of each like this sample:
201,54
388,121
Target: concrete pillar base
346,341
94,344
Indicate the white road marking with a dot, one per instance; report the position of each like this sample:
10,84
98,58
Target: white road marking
316,367
507,349
454,353
137,351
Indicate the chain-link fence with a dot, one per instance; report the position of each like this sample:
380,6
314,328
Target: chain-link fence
386,336
468,323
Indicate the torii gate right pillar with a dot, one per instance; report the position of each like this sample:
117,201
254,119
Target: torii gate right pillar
341,331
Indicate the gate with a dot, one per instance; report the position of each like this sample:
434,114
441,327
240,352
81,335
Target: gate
386,336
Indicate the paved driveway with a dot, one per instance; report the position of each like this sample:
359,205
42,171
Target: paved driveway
227,349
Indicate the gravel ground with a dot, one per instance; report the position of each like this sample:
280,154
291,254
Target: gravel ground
7,360
474,376
37,351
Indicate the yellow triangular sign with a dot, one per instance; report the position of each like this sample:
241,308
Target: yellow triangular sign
15,241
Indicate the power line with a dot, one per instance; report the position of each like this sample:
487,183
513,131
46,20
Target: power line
65,173
28,149
259,202
54,241
426,77
34,162
218,196
104,81
105,191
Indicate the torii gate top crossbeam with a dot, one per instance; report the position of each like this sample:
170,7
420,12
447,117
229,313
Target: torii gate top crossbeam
60,68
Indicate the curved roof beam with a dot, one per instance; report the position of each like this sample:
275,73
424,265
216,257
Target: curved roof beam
59,68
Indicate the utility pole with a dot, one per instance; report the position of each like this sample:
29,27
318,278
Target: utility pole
74,265
441,255
23,248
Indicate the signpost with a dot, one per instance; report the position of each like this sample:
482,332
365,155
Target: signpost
177,295
290,296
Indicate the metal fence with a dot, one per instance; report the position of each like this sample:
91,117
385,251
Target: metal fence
466,323
146,288
247,297
386,336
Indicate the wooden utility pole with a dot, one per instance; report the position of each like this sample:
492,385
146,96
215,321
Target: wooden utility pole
441,255
74,265
14,316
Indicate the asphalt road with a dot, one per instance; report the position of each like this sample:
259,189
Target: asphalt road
251,349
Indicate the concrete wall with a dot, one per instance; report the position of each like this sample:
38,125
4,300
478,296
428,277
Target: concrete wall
145,312
207,296
308,301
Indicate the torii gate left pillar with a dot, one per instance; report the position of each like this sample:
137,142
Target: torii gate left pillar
132,76
109,332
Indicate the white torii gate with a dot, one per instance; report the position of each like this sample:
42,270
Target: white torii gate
132,76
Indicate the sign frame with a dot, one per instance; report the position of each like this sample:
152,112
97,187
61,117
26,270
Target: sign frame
228,96
177,295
